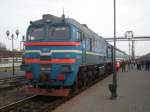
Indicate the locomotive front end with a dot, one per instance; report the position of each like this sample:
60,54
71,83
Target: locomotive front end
52,56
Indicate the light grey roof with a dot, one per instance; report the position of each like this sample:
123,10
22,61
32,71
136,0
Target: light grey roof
82,27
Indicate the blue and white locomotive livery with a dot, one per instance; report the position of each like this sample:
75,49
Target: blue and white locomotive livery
61,53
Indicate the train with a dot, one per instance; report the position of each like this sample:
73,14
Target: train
62,55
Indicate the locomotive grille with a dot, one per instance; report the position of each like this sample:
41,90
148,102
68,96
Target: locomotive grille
45,70
45,67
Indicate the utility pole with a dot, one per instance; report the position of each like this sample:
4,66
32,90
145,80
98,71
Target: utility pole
133,50
113,86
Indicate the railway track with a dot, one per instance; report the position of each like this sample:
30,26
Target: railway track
30,104
57,103
12,82
42,103
16,104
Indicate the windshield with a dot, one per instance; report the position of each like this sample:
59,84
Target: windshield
58,32
52,33
36,33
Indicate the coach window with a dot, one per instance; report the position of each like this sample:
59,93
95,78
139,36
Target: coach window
99,46
107,51
96,45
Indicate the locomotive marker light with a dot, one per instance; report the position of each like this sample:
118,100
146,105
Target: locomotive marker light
12,38
113,86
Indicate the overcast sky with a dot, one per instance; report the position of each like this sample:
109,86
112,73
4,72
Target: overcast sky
97,14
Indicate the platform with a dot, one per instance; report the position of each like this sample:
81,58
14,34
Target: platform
133,95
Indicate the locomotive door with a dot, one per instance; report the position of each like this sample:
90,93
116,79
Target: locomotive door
83,48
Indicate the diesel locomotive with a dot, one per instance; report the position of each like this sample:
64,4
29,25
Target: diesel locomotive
62,54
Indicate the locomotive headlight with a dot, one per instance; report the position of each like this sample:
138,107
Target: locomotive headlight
66,68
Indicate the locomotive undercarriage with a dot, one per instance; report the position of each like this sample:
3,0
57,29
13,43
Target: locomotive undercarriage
90,73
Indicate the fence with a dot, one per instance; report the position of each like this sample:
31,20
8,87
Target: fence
6,64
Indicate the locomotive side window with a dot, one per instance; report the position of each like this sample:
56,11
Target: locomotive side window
36,33
59,32
96,44
79,36
88,44
93,44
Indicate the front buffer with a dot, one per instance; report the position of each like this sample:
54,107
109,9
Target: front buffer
56,81
47,92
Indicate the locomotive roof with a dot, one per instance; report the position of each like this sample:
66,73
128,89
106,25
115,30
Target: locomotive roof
55,19
83,28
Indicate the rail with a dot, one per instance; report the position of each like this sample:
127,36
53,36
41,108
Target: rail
12,82
46,104
16,104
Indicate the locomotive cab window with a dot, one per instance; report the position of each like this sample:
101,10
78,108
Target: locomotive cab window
36,33
58,32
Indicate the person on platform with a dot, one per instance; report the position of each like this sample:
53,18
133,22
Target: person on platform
147,65
117,65
129,65
123,66
139,65
142,64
